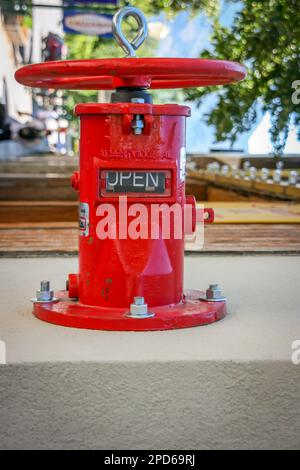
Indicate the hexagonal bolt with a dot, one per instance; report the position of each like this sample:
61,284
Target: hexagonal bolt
139,309
45,293
214,292
137,124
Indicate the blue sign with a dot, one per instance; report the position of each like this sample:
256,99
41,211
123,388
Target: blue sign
88,22
99,2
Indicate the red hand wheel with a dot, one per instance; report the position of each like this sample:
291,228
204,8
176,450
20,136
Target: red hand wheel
107,74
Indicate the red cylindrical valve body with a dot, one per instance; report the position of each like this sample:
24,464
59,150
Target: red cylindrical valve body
113,271
133,152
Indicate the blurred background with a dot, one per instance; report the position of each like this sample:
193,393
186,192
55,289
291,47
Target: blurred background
243,141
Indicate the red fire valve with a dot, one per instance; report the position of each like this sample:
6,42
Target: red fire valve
132,199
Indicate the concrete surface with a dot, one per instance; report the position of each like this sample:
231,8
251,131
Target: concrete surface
263,301
228,385
178,405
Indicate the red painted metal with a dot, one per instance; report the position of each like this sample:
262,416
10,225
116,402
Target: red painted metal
75,180
72,286
210,215
113,271
107,74
189,313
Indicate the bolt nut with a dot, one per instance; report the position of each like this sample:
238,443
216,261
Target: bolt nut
139,309
44,294
214,294
137,125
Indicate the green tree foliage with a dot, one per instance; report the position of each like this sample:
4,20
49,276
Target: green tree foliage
171,7
265,36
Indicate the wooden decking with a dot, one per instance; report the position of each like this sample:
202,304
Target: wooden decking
246,186
39,213
41,239
13,212
36,187
250,238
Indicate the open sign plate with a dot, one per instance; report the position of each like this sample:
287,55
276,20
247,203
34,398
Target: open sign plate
136,182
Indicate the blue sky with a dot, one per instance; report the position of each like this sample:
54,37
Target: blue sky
187,37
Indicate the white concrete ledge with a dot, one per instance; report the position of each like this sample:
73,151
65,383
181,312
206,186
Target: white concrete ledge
263,301
228,385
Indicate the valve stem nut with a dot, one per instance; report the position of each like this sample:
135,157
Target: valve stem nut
137,124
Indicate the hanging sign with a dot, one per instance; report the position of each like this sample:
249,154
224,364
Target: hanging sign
89,23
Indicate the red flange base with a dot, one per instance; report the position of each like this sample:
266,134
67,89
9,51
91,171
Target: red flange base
192,312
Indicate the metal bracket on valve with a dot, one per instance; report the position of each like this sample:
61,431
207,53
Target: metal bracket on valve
130,47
